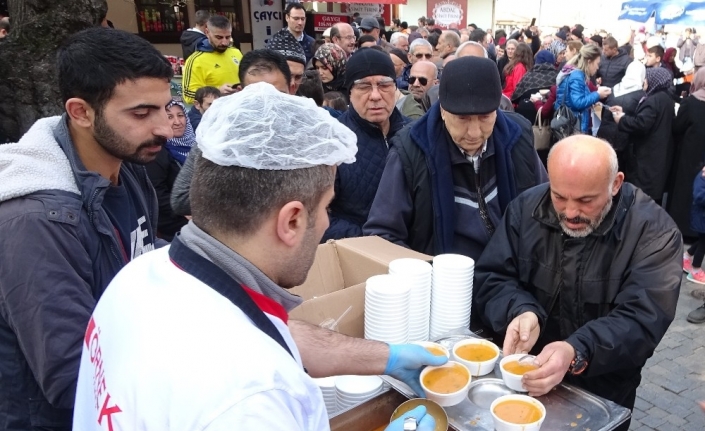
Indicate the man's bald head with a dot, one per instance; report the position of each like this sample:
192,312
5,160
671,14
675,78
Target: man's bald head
583,175
471,48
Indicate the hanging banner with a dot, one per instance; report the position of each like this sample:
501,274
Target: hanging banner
368,9
267,19
682,13
446,13
638,11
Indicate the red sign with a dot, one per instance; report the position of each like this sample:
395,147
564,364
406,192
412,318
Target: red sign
447,13
322,21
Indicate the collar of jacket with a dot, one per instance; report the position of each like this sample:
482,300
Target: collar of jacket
428,133
545,213
396,122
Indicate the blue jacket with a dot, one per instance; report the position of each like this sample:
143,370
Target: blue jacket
579,98
697,210
416,202
59,252
356,183
307,44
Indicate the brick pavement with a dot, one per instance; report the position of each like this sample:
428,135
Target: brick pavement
674,378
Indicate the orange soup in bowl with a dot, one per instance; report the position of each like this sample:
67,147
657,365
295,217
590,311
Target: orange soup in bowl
515,367
476,352
518,412
446,380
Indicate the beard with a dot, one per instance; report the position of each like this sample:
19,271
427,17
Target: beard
120,148
298,268
591,224
220,49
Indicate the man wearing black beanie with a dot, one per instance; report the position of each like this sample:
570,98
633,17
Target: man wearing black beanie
370,81
286,44
450,175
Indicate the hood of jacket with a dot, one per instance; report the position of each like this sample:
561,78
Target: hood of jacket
191,36
35,163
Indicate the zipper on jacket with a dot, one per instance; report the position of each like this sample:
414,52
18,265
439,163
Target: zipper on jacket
482,205
92,219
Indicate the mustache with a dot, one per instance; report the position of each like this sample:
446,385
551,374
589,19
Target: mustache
157,140
574,220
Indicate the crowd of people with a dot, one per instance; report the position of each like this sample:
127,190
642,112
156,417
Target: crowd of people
418,135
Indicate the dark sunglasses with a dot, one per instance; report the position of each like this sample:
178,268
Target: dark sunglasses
423,81
420,56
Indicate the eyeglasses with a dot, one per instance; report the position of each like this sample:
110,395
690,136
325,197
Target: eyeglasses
297,18
420,56
422,81
348,37
383,86
297,78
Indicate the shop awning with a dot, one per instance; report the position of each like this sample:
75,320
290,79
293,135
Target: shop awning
402,2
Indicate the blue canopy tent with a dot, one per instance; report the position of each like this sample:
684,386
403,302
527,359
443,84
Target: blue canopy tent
680,12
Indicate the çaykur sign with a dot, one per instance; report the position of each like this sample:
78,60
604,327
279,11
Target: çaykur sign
446,13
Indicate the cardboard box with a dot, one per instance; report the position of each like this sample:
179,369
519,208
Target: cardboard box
337,278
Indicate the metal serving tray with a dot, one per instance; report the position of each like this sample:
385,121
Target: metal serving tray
567,407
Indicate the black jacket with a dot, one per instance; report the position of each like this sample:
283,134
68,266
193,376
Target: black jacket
356,183
651,143
415,203
689,132
189,41
608,127
613,69
162,173
611,295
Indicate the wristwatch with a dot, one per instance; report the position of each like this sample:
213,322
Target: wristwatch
578,364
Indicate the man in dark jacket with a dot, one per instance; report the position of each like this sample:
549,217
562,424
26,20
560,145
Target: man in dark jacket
75,207
192,36
295,23
585,272
370,80
614,63
450,175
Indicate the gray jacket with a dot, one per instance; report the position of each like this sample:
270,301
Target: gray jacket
59,252
180,202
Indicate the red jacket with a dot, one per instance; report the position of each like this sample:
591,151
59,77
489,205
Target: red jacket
547,111
513,79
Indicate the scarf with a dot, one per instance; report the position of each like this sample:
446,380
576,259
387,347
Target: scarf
180,147
540,76
556,48
659,79
697,87
633,79
334,59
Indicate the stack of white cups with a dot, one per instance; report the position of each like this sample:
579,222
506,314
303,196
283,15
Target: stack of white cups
387,302
417,274
354,390
451,295
327,386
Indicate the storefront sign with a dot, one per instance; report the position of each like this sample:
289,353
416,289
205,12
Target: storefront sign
267,19
447,13
366,9
322,21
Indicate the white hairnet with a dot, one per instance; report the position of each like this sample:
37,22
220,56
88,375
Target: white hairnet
262,128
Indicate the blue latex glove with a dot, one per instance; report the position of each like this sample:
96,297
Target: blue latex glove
424,422
406,362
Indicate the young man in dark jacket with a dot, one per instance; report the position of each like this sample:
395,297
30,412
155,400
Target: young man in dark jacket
75,207
614,63
451,174
370,80
191,37
584,272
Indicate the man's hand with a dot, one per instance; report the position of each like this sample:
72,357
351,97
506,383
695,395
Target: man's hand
406,362
553,362
226,89
617,113
522,334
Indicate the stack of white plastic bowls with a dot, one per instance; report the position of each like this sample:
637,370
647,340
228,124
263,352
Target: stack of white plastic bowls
327,386
451,295
355,390
387,302
417,274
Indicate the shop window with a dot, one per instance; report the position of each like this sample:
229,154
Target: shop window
161,21
233,10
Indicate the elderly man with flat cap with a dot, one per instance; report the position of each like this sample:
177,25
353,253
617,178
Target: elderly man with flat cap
451,174
371,84
585,272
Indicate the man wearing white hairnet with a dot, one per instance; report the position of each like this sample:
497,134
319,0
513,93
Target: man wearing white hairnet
196,335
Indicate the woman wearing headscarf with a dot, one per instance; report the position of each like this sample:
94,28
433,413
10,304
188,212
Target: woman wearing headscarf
689,134
540,77
330,60
163,170
650,135
627,94
557,48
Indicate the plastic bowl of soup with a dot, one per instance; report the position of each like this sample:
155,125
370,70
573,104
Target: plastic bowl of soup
434,348
517,413
448,384
512,371
478,355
